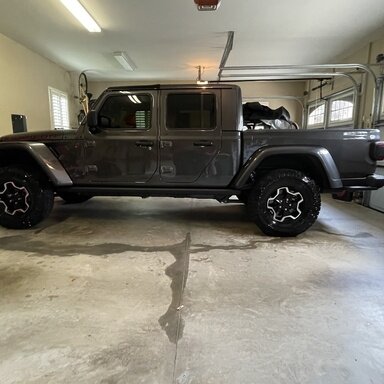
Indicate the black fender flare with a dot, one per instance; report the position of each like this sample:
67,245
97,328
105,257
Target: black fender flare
320,153
45,159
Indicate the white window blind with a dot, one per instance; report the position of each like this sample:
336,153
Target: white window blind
58,102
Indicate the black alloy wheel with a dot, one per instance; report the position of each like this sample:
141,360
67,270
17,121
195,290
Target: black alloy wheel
285,202
25,197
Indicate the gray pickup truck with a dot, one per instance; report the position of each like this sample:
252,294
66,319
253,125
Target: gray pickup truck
184,141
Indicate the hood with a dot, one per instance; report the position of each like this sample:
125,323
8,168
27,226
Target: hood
41,136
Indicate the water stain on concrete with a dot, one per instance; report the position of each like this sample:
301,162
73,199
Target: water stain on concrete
172,321
360,235
25,244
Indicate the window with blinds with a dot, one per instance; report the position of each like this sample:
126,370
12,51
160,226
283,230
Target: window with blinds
58,103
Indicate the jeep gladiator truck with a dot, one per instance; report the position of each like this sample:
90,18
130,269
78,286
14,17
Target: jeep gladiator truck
184,141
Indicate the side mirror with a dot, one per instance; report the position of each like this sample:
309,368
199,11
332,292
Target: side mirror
92,119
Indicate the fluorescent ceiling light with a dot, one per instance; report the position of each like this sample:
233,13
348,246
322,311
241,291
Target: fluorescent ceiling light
125,61
82,15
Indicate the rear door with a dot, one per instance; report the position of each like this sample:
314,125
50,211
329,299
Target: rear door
190,135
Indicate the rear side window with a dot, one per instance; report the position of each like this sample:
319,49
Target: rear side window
191,111
128,111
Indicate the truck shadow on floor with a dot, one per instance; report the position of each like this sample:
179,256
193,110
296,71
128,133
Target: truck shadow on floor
232,218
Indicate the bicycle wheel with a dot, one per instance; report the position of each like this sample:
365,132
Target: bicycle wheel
83,91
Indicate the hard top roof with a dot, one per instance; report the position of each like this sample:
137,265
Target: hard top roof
170,87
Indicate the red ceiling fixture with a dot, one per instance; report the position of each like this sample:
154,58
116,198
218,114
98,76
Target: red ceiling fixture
207,5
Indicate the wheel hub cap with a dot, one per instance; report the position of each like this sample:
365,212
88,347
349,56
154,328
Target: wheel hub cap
14,198
285,204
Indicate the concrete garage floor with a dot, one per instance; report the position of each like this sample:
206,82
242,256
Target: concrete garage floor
124,290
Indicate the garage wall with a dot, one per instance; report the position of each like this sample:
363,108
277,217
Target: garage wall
24,78
277,93
252,91
365,54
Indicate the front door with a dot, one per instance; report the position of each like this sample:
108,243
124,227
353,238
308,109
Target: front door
190,136
123,148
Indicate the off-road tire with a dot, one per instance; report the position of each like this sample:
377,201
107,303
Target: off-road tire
73,197
26,198
284,202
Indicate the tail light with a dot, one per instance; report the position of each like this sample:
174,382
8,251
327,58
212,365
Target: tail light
377,150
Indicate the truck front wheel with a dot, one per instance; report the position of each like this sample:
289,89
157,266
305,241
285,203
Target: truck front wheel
285,202
25,197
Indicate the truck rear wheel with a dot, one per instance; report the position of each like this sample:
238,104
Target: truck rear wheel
285,202
25,197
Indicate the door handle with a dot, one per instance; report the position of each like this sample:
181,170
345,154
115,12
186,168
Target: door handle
166,144
167,169
144,144
203,143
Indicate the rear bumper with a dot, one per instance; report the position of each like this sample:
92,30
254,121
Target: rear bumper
370,182
375,180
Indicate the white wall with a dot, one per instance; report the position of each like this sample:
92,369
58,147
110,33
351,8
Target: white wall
24,79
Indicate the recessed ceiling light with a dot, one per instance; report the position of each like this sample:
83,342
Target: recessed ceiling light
82,15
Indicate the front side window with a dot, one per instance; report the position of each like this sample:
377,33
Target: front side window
316,115
126,111
191,111
341,109
58,103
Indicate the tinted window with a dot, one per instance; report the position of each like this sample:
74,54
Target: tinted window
191,111
127,111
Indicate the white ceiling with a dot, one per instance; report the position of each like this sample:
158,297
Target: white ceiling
167,39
